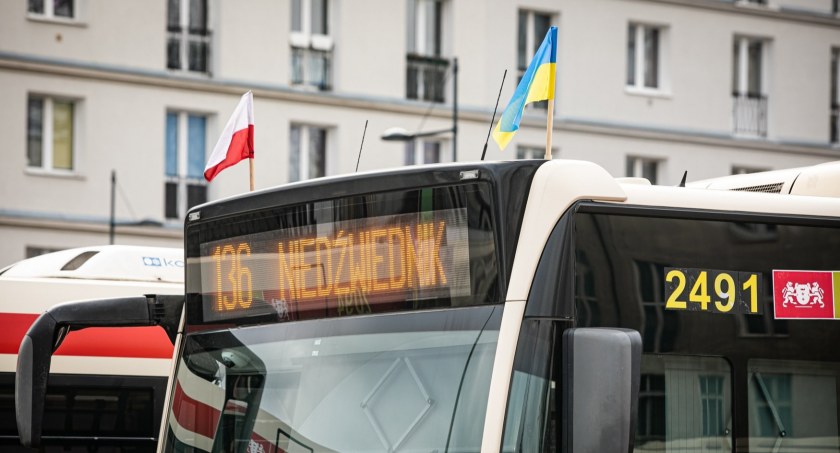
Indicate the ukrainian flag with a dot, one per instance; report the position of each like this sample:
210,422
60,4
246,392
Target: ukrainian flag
536,85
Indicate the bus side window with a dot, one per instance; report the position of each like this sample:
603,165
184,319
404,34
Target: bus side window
792,404
532,422
685,404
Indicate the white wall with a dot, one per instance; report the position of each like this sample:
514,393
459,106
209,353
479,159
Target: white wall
113,61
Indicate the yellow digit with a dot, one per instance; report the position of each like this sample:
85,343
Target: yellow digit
217,257
752,285
672,302
728,295
700,291
245,291
229,250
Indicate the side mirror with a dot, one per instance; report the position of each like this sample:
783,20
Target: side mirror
49,330
601,369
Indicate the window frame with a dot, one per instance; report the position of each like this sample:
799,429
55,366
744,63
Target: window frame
303,151
638,64
307,44
49,13
419,158
834,93
741,65
637,169
182,179
427,69
751,105
185,37
535,152
531,45
47,135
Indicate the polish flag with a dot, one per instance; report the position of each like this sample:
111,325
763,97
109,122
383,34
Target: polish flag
237,140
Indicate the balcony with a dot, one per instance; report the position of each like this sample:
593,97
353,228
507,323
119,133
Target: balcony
426,77
749,114
312,68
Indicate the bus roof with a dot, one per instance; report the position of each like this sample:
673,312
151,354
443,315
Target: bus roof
107,262
818,180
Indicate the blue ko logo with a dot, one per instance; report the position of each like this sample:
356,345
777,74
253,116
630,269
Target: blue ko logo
154,261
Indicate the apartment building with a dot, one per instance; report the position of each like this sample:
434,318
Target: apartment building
112,106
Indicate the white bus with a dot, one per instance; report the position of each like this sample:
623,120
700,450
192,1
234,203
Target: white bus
107,386
522,306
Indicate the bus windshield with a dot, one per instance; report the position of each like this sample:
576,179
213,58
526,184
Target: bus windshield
410,381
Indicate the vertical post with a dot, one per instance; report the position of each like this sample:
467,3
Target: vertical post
549,127
112,223
251,164
455,109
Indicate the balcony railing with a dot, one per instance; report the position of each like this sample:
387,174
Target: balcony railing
312,67
749,114
426,77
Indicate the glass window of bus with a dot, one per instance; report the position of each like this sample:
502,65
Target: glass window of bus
793,405
768,369
398,382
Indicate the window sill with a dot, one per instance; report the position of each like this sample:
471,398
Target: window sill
647,92
62,174
753,5
746,136
197,75
73,22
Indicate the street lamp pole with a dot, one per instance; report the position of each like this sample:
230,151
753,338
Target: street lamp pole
455,109
112,224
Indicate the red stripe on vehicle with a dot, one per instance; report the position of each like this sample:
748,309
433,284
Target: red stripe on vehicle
135,342
193,415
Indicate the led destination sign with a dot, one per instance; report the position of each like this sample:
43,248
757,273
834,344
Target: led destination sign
347,267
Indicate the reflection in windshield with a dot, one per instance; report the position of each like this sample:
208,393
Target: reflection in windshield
389,383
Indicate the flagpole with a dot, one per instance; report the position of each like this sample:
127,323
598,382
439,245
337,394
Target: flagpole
549,128
251,164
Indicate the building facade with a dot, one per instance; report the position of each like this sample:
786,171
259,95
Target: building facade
141,91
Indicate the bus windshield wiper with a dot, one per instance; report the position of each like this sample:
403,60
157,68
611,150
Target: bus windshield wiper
773,411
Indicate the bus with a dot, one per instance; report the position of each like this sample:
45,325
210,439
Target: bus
522,306
107,386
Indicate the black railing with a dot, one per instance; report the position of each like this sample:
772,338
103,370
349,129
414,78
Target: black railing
835,117
312,67
749,114
426,77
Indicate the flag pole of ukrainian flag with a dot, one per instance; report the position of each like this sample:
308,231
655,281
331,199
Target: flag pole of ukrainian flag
537,84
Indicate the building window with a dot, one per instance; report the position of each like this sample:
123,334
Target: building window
713,402
426,68
311,44
835,96
748,93
32,251
307,152
424,151
188,43
64,9
186,145
644,57
50,133
531,32
651,418
643,167
771,404
743,170
535,152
